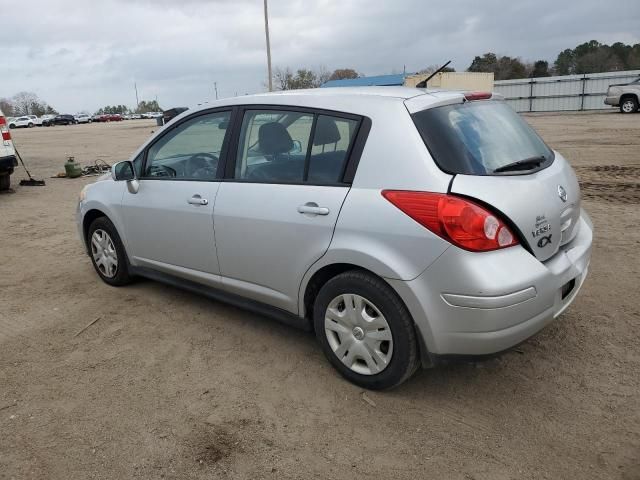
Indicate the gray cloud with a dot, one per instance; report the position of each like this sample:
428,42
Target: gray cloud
83,55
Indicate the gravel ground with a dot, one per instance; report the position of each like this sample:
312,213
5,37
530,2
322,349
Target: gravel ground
167,384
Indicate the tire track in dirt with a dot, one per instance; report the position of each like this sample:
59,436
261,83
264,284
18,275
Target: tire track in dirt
610,183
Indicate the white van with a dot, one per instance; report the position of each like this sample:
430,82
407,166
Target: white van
8,159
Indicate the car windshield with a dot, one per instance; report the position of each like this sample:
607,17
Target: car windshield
480,137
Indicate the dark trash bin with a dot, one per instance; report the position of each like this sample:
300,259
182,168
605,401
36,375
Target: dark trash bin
169,114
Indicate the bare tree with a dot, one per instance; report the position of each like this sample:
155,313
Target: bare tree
7,107
322,75
25,103
285,79
282,78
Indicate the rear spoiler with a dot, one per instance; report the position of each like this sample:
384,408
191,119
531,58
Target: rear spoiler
441,98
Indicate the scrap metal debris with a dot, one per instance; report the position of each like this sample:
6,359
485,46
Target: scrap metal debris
87,326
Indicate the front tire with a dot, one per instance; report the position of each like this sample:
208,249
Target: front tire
629,105
107,253
365,330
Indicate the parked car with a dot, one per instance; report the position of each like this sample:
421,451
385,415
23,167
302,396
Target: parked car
405,227
136,116
8,161
83,118
97,117
114,117
46,119
64,119
36,121
21,122
626,96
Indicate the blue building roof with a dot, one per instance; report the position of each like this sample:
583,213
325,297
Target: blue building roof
378,80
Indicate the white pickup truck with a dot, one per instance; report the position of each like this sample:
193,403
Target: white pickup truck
8,159
624,95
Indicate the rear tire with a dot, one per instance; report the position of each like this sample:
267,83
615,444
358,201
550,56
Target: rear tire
105,246
629,105
5,182
372,342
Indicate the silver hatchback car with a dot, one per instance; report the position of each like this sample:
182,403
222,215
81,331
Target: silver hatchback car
404,226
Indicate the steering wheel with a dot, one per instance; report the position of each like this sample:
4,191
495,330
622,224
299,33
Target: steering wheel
161,171
201,165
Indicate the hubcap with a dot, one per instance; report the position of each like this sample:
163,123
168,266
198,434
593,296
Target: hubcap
627,106
358,334
104,253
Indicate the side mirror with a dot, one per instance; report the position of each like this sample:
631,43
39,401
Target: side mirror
123,171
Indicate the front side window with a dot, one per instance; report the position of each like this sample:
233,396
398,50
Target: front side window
293,147
190,151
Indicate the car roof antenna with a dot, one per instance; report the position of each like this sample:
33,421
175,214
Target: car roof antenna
423,84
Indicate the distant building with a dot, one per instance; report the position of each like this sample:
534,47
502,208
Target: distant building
443,80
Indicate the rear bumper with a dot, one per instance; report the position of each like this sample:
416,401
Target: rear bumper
8,163
469,303
612,100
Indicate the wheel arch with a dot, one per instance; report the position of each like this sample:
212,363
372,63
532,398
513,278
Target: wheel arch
318,277
87,220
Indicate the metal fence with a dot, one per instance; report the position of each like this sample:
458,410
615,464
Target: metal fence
568,92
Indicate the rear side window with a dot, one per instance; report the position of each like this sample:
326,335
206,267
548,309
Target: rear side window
279,146
273,145
332,139
478,137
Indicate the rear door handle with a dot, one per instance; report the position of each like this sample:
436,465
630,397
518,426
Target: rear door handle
198,200
312,208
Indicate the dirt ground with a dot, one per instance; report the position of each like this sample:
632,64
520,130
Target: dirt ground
167,384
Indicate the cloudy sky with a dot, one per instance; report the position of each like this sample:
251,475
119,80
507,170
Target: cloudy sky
81,55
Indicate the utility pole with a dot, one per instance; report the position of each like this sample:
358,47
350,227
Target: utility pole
266,31
215,87
135,86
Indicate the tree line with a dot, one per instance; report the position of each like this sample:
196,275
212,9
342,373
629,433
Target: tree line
28,103
25,103
588,57
143,107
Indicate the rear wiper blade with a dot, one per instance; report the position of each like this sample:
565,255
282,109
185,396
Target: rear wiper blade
526,164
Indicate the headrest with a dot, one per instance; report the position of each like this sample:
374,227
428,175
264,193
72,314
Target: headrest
273,138
326,131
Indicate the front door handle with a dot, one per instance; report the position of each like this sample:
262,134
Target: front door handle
312,208
198,200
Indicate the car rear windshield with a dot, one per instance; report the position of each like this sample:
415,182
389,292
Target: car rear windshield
480,137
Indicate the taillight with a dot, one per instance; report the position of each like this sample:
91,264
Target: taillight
457,220
470,96
4,130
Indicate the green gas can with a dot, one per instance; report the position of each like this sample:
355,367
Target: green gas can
72,168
